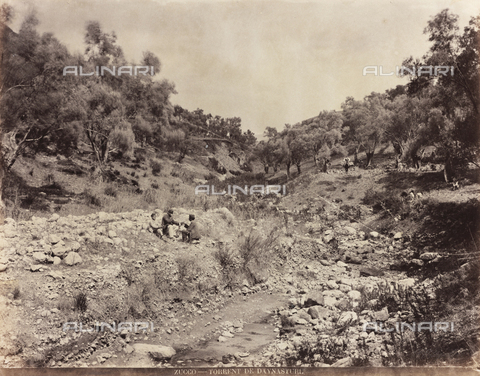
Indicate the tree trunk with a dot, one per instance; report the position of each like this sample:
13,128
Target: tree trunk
448,171
325,165
288,169
355,156
298,169
275,167
369,158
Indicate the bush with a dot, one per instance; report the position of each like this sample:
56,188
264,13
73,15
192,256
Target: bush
389,202
226,259
150,196
80,302
156,167
91,199
111,191
187,269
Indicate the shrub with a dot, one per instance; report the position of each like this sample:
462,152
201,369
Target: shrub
350,212
389,202
156,167
80,302
226,259
91,199
187,269
111,191
155,185
150,196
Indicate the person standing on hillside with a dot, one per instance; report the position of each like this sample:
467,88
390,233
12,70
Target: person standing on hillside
346,164
167,224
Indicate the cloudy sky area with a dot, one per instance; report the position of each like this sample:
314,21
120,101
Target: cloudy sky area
268,62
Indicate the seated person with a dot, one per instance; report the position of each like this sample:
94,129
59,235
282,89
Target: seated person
167,224
192,232
155,225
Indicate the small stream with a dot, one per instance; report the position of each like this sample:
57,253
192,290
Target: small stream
253,338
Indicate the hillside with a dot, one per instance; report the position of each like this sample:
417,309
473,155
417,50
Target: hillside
274,281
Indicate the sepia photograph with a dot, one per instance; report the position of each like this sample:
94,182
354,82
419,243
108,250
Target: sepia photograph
222,187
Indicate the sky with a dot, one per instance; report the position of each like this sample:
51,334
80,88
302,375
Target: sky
267,62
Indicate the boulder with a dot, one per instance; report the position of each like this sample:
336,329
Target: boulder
355,295
407,282
73,258
157,352
60,251
428,256
398,236
344,362
371,272
332,285
381,315
313,299
54,238
347,318
39,256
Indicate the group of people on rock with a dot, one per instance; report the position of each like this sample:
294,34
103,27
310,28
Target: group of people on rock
164,228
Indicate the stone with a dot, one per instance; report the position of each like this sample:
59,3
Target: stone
53,218
39,256
329,301
157,352
128,349
325,262
227,334
407,282
417,262
371,272
36,268
72,258
112,234
57,260
222,339
381,315
344,362
54,238
347,318
398,236
350,230
332,285
313,298
3,267
59,251
428,256
355,295
328,238
374,234
344,288
319,312
292,302
341,264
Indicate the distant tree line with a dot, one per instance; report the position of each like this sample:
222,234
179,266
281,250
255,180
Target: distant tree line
440,111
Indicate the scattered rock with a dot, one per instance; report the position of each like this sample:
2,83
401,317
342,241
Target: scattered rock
428,256
39,256
73,258
371,272
157,352
398,236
